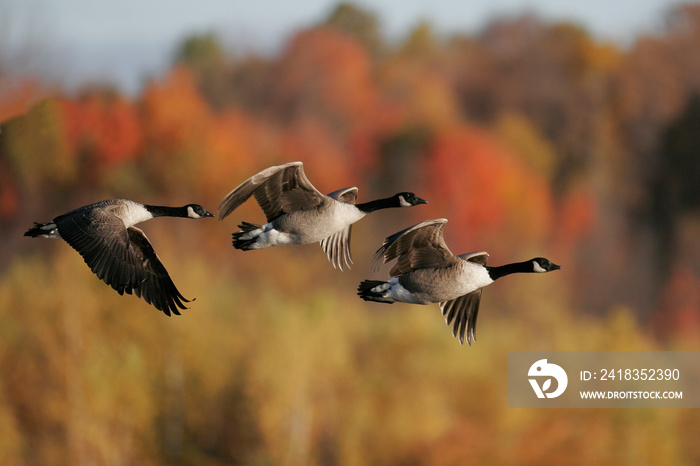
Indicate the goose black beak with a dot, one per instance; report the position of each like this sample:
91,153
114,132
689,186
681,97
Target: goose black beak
208,214
555,266
420,201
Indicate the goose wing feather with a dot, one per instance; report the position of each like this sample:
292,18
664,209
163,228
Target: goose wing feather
417,247
337,246
278,190
155,287
479,257
347,195
123,258
461,313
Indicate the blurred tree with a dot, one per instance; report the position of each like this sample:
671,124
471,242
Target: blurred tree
228,150
648,93
360,24
402,155
657,79
250,84
210,67
37,148
201,52
326,161
683,24
104,129
487,192
9,196
226,80
422,95
535,150
554,75
675,184
175,118
679,304
652,103
475,78
17,96
327,75
679,163
421,41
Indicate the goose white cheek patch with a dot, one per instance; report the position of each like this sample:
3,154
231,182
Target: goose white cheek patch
537,267
192,214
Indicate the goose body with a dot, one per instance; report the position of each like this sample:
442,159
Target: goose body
119,253
297,213
304,226
426,272
435,285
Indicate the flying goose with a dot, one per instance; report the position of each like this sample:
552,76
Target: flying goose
297,213
428,272
119,253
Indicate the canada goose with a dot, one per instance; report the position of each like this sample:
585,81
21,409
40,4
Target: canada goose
428,272
118,252
297,213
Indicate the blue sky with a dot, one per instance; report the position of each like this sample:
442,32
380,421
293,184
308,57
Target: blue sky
125,41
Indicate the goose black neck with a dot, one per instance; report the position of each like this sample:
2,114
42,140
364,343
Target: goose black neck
501,271
378,204
165,211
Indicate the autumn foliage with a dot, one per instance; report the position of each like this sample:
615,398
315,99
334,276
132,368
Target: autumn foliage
532,139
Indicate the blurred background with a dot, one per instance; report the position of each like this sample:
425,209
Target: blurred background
570,132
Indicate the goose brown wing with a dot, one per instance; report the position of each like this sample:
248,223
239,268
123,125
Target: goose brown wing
123,258
417,247
278,190
461,313
156,287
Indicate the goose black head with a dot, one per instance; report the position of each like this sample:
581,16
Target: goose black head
409,199
197,211
542,265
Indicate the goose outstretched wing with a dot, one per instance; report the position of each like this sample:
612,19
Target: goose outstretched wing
417,247
461,313
123,258
337,246
278,190
463,310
